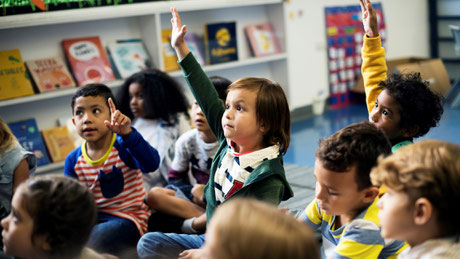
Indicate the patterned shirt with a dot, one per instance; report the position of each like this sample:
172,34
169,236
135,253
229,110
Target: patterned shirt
434,248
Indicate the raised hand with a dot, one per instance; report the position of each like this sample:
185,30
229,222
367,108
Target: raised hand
178,34
369,19
120,123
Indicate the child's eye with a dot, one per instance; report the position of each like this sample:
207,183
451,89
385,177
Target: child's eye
97,111
78,113
227,107
376,104
385,113
239,108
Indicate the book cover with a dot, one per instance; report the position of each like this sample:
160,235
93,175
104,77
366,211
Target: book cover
129,56
59,142
27,133
262,39
220,42
195,44
14,80
88,60
50,74
169,55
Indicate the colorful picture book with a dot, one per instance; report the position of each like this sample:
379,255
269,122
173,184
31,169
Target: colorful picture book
195,44
88,60
50,74
262,39
169,55
128,56
14,80
27,133
59,142
220,42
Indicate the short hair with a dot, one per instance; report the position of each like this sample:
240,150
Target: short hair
259,230
93,90
272,110
429,169
163,96
7,139
64,211
420,107
221,84
359,144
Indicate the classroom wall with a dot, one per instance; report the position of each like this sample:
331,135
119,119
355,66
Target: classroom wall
407,35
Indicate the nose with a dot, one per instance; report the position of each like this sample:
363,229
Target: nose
374,115
319,192
4,222
133,100
228,113
86,117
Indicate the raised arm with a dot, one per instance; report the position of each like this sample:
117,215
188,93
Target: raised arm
369,19
177,36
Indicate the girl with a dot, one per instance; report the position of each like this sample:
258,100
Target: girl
253,130
158,108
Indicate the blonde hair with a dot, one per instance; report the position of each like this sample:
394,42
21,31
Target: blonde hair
429,169
7,139
246,228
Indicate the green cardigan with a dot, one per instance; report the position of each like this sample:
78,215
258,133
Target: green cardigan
268,181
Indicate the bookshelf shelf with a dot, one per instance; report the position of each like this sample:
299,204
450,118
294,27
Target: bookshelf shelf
50,168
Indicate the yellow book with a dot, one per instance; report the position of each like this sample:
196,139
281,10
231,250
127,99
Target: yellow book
169,55
14,80
59,143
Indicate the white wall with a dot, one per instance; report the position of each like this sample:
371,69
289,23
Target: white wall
407,35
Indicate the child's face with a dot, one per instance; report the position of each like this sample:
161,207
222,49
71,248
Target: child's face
240,120
337,192
395,215
88,118
136,100
17,230
386,115
199,120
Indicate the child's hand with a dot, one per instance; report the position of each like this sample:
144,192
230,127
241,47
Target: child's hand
191,254
369,19
178,34
197,192
120,123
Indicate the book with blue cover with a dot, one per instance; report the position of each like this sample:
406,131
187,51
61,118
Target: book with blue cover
220,42
128,56
29,137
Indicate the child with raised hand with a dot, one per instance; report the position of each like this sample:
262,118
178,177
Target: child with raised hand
155,103
253,131
345,205
258,231
420,205
110,162
182,197
403,106
51,217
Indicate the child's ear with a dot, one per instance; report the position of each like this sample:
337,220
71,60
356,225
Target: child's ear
423,211
73,121
42,242
370,194
410,132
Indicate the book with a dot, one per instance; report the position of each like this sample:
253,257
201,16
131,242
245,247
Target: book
27,133
128,56
195,45
50,74
262,39
88,60
59,142
220,42
169,55
14,79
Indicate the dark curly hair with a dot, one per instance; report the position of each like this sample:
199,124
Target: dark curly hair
420,107
358,144
163,96
63,210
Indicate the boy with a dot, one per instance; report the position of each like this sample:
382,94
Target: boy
110,162
401,105
345,207
421,203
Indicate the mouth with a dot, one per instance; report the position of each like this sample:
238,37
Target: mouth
228,126
89,130
199,122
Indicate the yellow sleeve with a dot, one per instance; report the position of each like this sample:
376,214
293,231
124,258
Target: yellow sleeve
373,69
313,213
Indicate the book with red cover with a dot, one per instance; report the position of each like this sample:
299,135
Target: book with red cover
50,73
88,60
262,39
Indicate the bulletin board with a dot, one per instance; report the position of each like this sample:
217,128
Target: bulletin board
344,32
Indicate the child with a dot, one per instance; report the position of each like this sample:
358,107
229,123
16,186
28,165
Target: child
258,231
401,105
421,202
158,108
253,131
110,162
194,149
345,207
51,217
16,164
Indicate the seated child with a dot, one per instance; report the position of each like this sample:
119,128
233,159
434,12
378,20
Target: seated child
51,217
421,202
110,162
253,130
403,106
345,208
258,231
196,149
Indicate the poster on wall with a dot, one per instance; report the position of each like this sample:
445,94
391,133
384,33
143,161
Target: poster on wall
344,32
